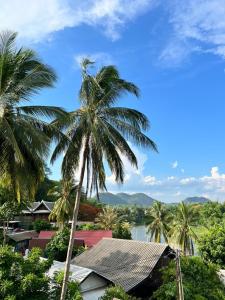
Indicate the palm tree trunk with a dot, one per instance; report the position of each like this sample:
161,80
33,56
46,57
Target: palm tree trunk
73,226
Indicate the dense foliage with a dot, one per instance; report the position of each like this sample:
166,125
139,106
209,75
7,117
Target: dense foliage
212,245
40,225
57,248
116,292
122,231
23,279
200,281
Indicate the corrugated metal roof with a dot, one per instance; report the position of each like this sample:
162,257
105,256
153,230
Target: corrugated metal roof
76,273
124,262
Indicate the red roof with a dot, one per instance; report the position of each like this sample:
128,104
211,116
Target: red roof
90,237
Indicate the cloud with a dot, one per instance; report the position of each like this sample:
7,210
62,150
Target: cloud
197,26
174,164
101,58
170,188
36,20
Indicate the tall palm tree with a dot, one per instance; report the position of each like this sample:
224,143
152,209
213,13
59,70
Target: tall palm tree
99,131
182,230
158,223
108,218
65,192
24,138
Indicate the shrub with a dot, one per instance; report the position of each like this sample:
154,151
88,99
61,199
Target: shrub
200,281
41,225
122,231
116,292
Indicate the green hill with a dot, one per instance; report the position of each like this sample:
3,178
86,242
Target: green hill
139,199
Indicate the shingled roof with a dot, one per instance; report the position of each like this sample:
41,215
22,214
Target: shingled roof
124,262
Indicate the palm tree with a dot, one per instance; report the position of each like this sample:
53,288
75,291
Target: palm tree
159,220
99,131
182,229
65,193
108,218
24,138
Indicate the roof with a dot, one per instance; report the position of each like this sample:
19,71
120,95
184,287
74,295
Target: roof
22,236
90,237
124,262
76,273
33,207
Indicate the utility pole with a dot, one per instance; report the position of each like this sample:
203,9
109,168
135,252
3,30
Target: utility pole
180,290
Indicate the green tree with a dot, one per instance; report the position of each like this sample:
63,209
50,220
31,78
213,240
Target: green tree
65,193
24,137
122,231
200,281
116,292
56,249
99,132
40,224
23,279
182,231
212,245
108,218
158,220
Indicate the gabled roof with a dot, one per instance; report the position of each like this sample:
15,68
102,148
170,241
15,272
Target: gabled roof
124,262
90,237
34,207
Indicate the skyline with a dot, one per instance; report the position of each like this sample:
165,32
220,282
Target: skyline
174,52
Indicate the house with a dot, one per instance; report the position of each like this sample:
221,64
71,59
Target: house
134,265
35,210
90,237
92,285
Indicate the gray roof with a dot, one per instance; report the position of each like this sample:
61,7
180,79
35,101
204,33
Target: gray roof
124,262
23,235
33,207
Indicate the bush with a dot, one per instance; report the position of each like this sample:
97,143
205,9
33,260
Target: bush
116,292
41,225
56,249
200,281
122,231
212,245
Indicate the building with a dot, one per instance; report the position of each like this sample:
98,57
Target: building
35,211
92,285
21,240
134,265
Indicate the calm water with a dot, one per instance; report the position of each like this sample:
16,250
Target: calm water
139,233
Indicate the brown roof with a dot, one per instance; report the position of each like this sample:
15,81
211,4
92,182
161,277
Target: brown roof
124,262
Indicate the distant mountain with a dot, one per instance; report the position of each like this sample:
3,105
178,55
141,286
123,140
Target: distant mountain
126,199
196,200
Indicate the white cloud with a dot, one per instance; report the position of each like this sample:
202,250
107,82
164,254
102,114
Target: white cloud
170,188
174,164
101,58
198,25
35,20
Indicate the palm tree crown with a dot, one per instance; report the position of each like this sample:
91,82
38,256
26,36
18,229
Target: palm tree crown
24,138
102,128
158,222
184,219
107,219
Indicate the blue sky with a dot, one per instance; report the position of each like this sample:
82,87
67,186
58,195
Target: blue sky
173,50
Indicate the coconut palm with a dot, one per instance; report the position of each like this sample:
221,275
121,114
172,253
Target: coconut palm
24,138
65,193
99,131
182,230
158,222
107,219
